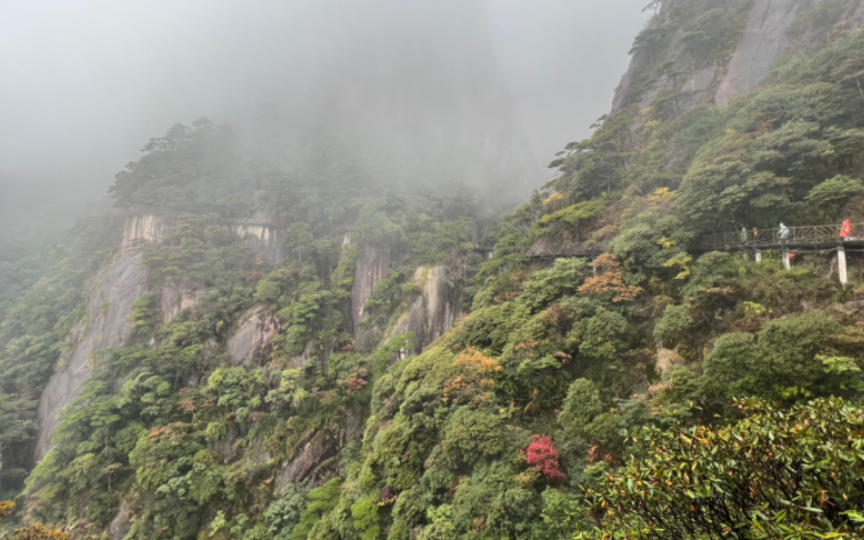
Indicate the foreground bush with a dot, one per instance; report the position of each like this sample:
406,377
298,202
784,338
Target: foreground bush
796,473
35,532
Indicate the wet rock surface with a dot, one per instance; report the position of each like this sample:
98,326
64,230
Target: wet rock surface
765,42
143,228
373,265
107,325
251,342
175,299
435,309
262,239
120,525
308,462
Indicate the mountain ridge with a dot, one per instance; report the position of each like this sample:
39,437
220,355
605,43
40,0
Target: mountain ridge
297,380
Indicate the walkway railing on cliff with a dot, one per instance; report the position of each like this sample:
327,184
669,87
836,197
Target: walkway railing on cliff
759,239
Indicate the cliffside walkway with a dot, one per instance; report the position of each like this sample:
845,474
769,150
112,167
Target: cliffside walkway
817,237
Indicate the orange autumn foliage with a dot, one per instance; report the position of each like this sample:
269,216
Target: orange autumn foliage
476,361
478,369
38,532
609,278
6,508
527,345
33,532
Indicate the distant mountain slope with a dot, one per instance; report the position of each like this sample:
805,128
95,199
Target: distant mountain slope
421,95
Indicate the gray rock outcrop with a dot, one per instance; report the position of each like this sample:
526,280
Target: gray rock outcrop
174,299
262,239
107,325
434,311
143,227
373,265
251,342
120,525
311,456
765,43
641,60
854,17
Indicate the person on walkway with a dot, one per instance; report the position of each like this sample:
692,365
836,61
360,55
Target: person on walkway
755,234
743,236
784,232
846,230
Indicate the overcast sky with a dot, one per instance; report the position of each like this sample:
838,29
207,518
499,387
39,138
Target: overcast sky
84,83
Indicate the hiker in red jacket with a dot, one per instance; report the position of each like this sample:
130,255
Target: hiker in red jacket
846,230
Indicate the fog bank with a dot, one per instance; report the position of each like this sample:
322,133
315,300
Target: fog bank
87,82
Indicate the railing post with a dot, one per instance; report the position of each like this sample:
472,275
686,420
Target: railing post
841,265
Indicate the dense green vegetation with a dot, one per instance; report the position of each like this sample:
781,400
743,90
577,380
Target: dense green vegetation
34,329
773,474
19,269
36,532
167,420
650,392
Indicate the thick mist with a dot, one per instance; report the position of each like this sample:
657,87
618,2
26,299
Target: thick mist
490,89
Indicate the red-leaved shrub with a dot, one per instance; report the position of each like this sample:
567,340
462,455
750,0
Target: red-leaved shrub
543,456
355,384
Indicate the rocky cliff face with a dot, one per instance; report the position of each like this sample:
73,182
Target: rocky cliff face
143,227
373,265
768,36
435,309
106,325
262,238
251,342
174,299
429,316
441,300
765,43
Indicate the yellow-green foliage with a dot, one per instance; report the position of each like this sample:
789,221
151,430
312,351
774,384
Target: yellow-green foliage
774,474
576,216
